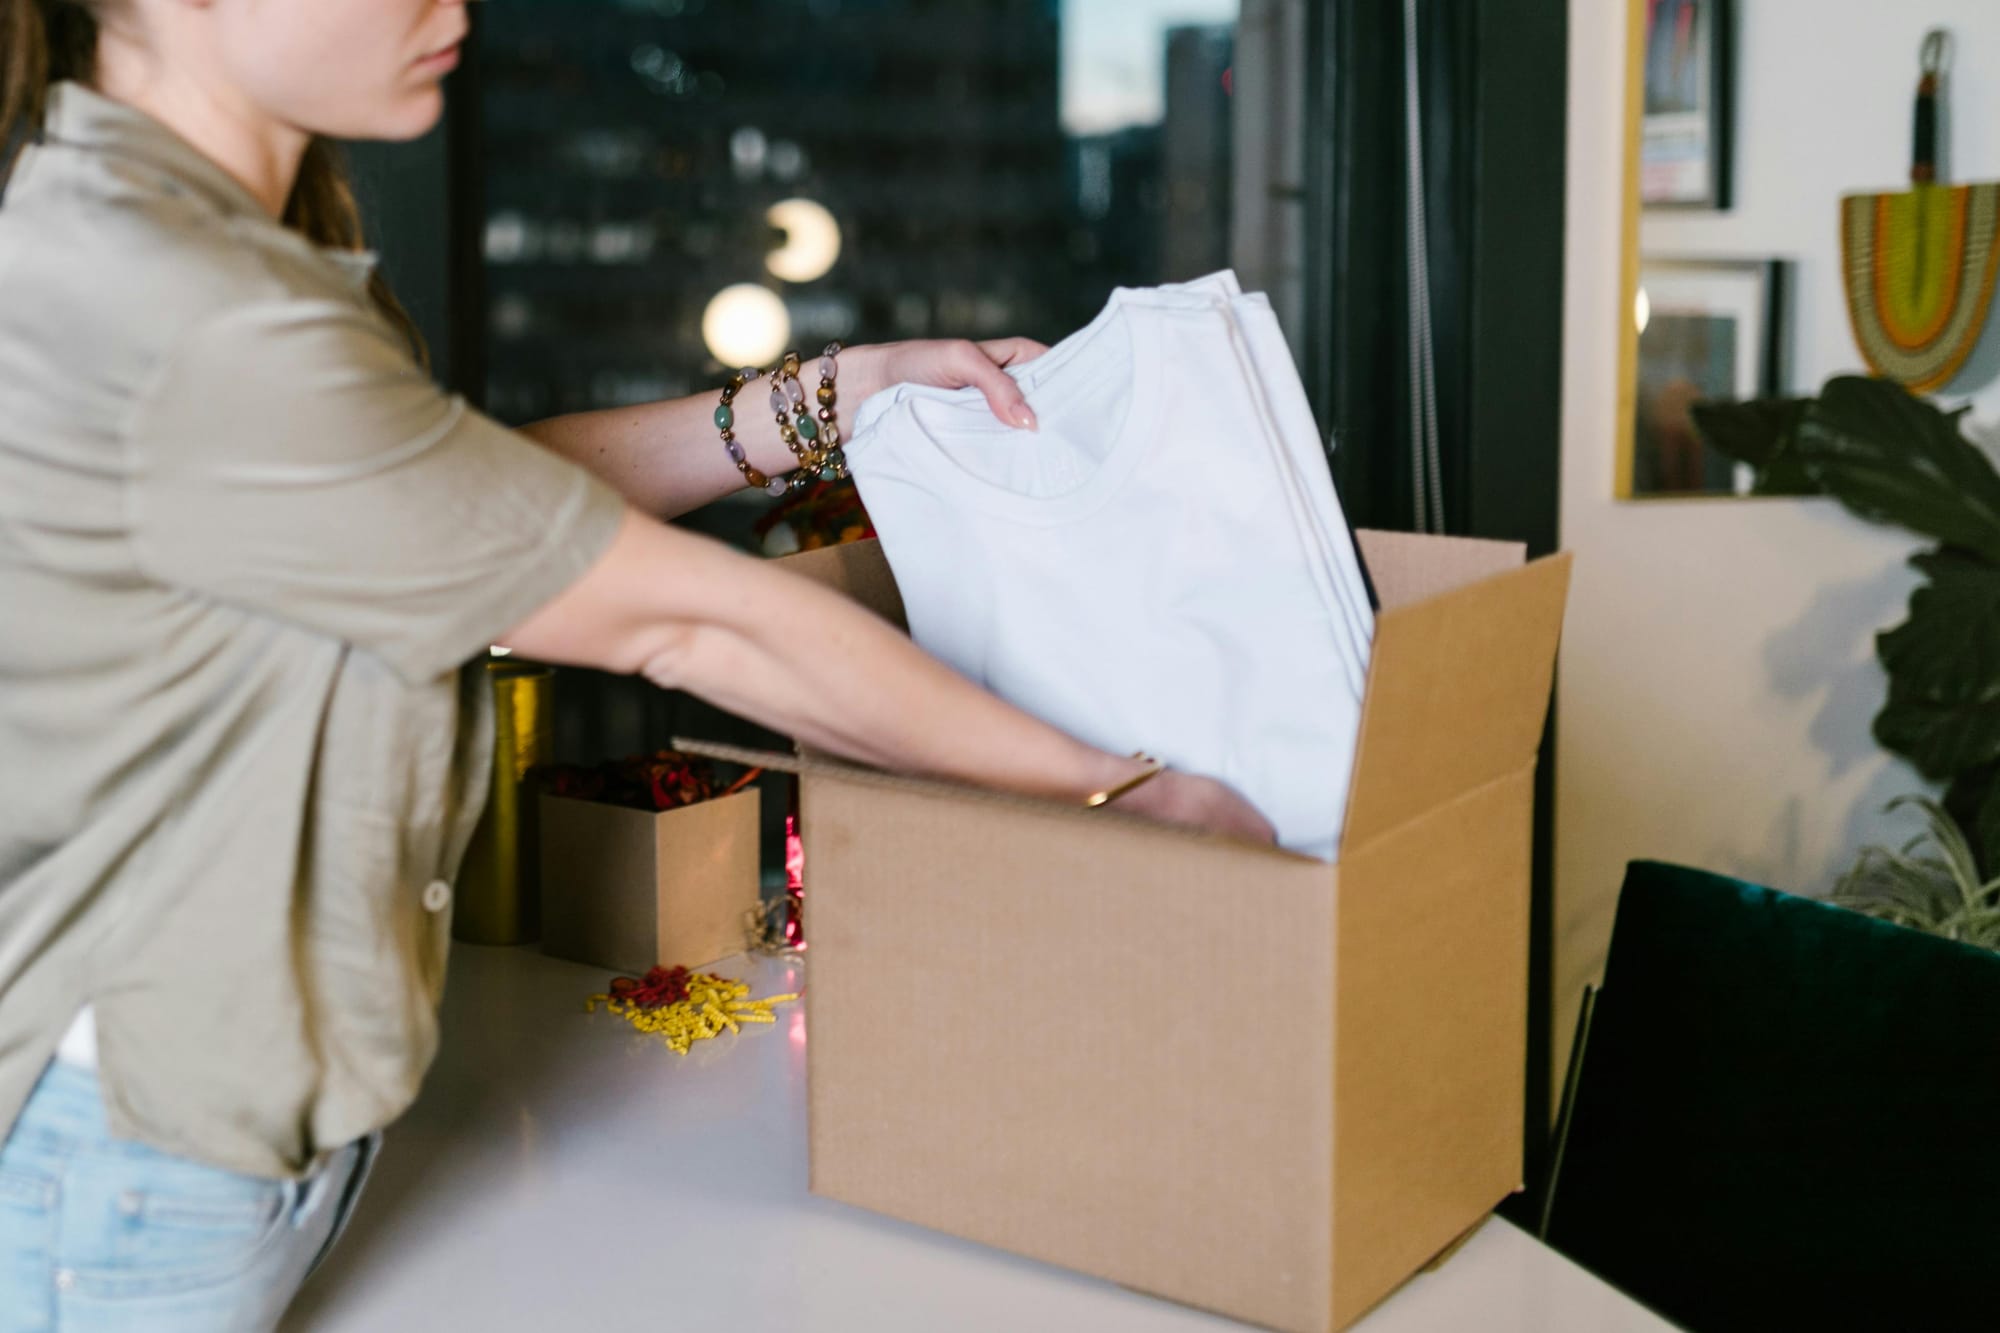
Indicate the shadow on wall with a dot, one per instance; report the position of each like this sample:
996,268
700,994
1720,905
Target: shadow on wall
1821,655
1817,656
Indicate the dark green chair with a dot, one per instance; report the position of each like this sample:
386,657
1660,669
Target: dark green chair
1784,1116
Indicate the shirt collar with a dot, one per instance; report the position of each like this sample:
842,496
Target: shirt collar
80,117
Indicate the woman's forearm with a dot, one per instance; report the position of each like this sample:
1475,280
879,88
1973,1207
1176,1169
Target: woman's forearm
667,458
841,681
690,614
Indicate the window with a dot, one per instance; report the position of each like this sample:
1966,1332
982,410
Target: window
676,186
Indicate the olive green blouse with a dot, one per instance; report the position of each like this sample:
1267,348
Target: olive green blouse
246,549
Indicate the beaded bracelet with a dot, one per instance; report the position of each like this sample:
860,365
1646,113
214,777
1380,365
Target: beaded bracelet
725,421
798,430
829,436
812,436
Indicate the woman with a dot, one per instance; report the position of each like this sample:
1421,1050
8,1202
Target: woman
245,547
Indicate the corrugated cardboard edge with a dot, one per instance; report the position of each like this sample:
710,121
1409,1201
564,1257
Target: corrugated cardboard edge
1459,1242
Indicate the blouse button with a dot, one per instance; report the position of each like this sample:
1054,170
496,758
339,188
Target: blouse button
437,896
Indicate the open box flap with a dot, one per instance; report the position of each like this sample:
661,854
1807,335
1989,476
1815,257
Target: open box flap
1407,567
1458,688
813,765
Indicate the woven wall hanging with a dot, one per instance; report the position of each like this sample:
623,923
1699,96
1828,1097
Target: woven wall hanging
1921,264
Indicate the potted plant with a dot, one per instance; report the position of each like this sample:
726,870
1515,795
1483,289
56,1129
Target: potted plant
1893,458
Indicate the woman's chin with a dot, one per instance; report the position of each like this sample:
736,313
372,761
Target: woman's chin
416,114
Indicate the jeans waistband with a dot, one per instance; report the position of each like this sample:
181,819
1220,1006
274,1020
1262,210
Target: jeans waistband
68,1105
66,1101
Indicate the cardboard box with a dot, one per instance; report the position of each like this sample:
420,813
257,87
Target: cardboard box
628,889
1215,1072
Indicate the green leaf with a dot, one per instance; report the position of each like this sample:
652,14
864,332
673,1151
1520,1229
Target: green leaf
1965,801
1936,893
1943,663
1949,647
1759,433
1894,458
1939,739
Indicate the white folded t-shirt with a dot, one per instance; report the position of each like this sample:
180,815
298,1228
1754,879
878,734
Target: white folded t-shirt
1150,570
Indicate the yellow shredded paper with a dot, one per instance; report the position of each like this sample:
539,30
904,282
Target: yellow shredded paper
714,1005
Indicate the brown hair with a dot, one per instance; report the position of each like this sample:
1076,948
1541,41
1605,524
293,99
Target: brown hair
45,41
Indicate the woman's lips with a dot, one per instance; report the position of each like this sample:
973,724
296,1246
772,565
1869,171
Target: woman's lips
439,62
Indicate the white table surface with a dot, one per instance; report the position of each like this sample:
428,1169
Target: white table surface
562,1171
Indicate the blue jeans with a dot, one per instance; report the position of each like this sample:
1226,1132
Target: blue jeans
100,1234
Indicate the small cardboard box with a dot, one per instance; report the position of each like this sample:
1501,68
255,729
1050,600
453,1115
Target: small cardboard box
1215,1072
628,889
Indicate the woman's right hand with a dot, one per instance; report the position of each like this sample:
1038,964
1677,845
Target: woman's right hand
1175,797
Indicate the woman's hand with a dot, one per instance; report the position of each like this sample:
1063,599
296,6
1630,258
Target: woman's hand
942,364
1183,798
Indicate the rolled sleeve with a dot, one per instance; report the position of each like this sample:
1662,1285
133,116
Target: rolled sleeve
291,459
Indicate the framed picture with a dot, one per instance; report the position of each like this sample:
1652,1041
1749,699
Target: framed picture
1707,329
1684,132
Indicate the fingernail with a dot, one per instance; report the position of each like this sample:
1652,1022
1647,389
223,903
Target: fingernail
1025,418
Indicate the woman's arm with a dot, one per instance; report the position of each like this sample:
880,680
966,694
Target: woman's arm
688,613
667,458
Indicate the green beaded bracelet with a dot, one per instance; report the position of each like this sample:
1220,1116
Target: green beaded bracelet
725,422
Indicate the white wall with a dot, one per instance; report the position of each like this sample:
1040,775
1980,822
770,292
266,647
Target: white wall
1718,676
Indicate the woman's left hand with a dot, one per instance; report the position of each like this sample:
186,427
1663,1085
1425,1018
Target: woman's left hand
944,364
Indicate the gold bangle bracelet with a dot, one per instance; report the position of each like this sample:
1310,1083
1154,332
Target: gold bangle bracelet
1154,767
